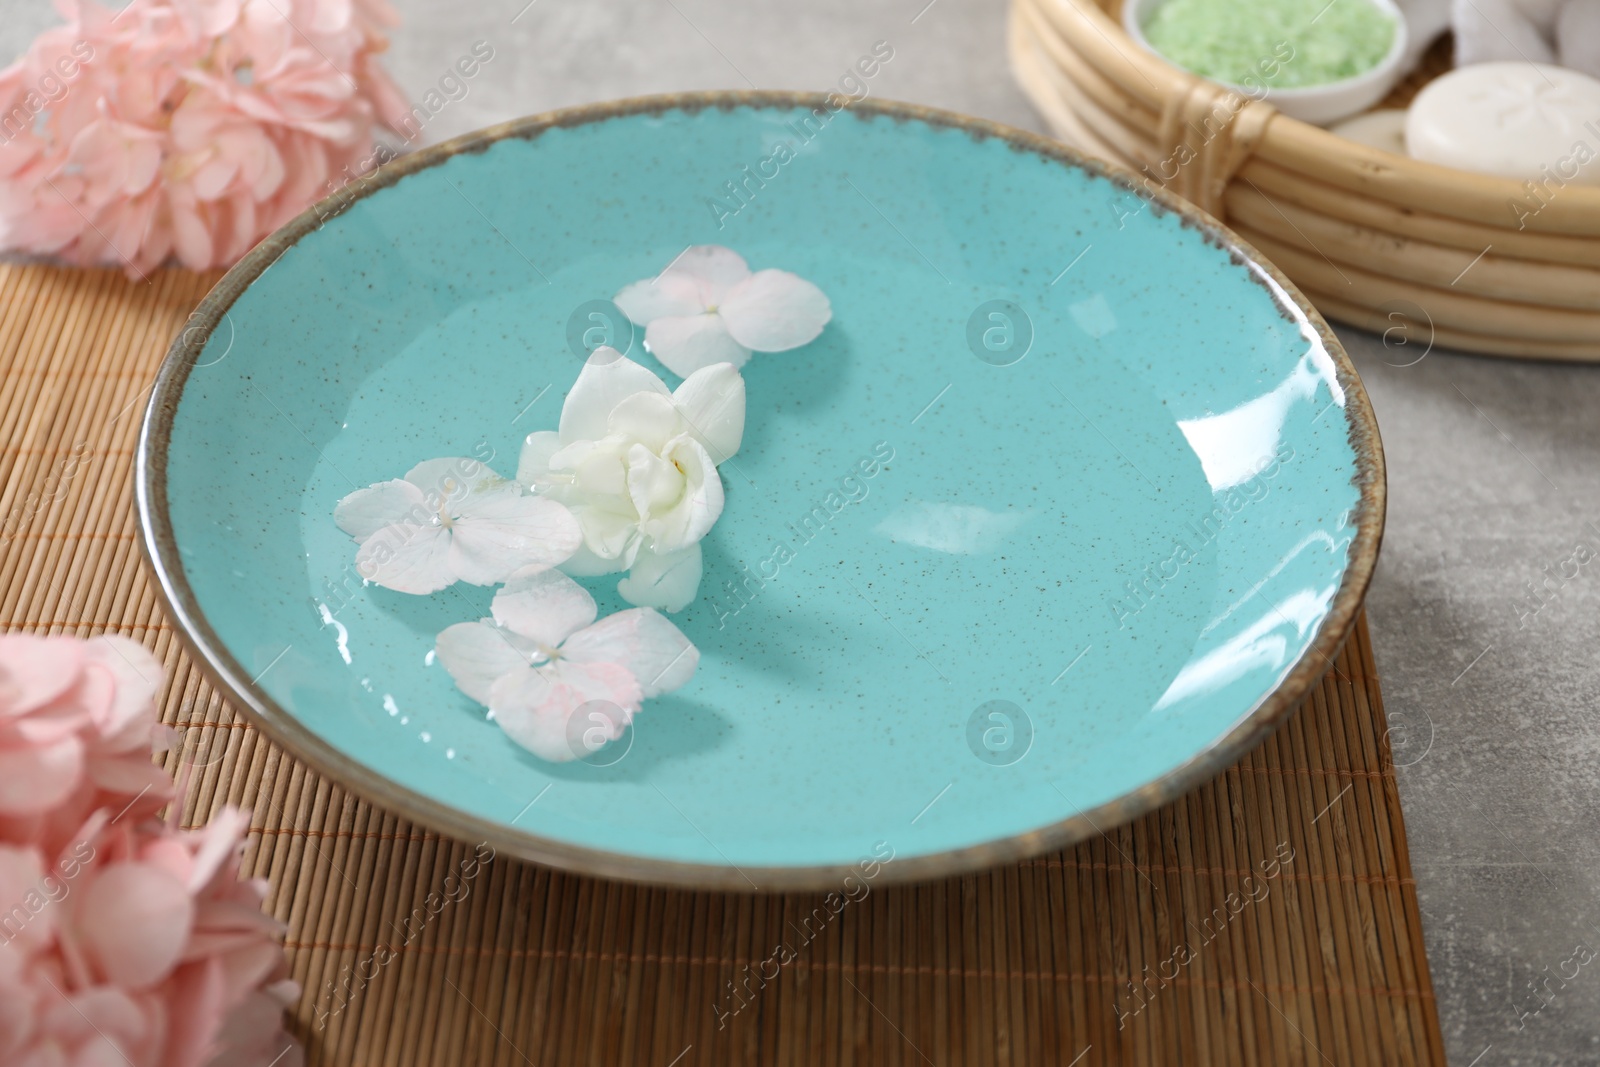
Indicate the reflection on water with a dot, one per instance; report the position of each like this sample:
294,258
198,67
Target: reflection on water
959,529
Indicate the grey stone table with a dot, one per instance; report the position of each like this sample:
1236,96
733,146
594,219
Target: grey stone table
1488,639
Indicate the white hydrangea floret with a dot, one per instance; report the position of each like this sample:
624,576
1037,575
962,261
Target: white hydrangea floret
708,307
453,520
559,683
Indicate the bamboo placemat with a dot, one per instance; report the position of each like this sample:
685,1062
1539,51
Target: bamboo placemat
1269,917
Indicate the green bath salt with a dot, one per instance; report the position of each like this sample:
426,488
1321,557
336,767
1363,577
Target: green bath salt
1272,44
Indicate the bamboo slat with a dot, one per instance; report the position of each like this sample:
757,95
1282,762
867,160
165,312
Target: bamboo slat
1071,958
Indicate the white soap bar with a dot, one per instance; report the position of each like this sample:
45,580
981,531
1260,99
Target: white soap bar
1385,129
1515,120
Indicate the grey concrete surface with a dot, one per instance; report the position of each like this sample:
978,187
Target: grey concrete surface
1494,475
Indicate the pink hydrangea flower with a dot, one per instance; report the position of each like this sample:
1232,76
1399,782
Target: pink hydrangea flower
122,939
707,307
77,728
186,128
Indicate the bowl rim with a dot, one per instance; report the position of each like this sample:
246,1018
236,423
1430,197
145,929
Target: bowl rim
158,538
1386,68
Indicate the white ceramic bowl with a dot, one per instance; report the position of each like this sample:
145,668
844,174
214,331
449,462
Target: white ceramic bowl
1318,104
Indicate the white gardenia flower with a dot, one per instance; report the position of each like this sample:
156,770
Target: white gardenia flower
637,466
451,520
559,683
707,307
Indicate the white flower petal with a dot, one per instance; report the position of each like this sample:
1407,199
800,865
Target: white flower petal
452,477
598,468
665,580
606,379
366,511
547,607
407,558
669,294
649,418
775,311
713,268
533,468
711,401
642,640
655,484
699,505
586,563
536,706
607,534
502,532
684,345
477,654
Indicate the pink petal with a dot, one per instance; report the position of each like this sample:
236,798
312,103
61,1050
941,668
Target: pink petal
774,311
606,379
138,676
269,172
247,967
656,652
478,654
144,166
714,269
238,232
685,345
100,1022
219,843
213,178
135,222
36,670
253,1034
366,511
536,706
66,716
191,235
36,778
546,608
133,920
653,298
665,580
201,989
503,532
407,558
712,402
130,776
209,18
328,17
29,916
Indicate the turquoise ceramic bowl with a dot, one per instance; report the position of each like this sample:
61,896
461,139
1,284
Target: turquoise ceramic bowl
1127,493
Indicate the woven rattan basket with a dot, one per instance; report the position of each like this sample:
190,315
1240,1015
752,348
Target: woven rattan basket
1374,239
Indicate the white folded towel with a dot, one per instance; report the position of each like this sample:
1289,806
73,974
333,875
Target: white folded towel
1564,32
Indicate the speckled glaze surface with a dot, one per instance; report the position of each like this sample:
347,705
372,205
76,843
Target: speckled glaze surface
1065,509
